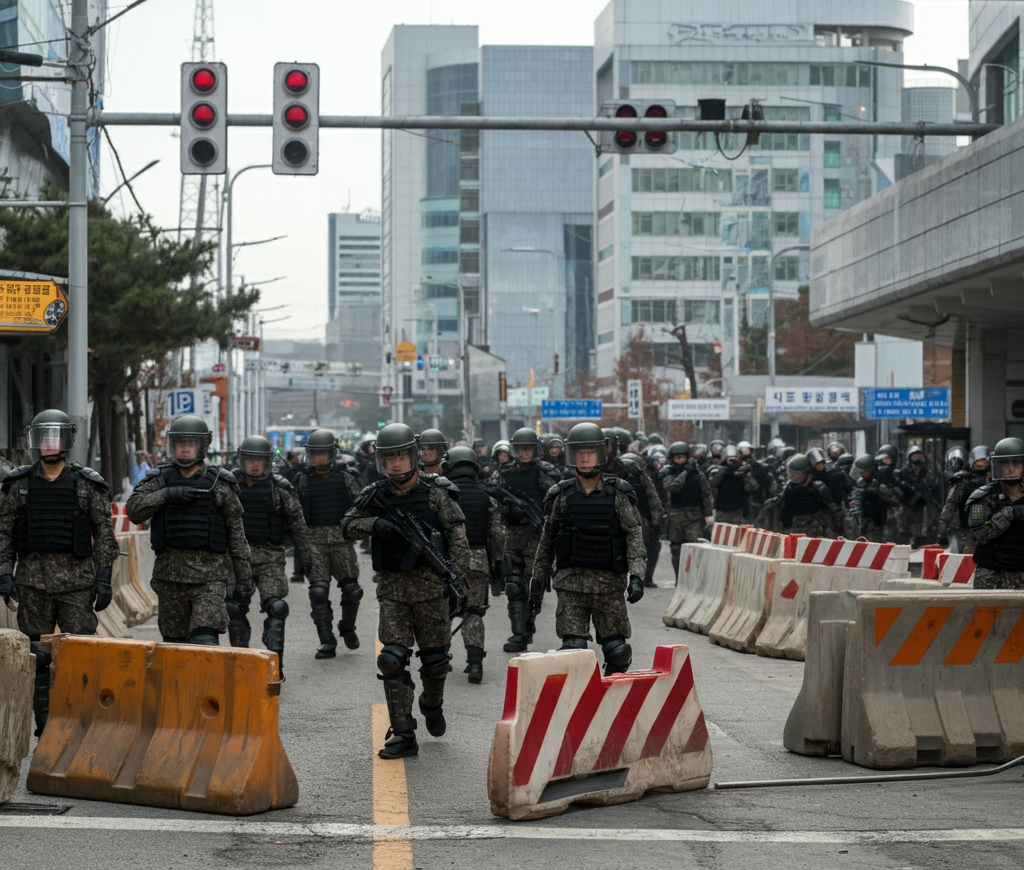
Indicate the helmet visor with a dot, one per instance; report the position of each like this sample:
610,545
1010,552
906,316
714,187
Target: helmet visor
187,450
1008,468
49,436
797,476
588,453
397,463
255,465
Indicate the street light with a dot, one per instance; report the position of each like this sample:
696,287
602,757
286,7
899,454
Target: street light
972,91
145,168
771,321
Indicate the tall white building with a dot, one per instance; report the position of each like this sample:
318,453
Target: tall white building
353,280
698,236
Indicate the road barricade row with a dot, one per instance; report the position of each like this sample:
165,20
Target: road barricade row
729,535
167,725
748,597
569,735
700,587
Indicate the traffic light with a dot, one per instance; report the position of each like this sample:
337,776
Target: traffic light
296,118
204,118
635,141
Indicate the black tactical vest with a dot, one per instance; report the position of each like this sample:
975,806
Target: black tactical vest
689,495
54,521
475,504
800,501
326,499
524,483
589,534
391,556
731,494
198,525
262,523
874,508
1005,553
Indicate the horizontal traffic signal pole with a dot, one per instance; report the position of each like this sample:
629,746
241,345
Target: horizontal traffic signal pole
101,118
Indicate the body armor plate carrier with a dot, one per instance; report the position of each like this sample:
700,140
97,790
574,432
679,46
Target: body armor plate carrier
261,521
589,534
325,499
53,520
417,504
198,525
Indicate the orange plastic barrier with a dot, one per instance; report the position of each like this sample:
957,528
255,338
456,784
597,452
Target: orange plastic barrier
165,725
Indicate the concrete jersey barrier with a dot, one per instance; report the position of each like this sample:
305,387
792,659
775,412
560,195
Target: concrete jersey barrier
748,597
841,553
569,735
700,592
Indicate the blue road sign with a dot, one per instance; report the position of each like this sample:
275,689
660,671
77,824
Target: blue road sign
571,409
928,403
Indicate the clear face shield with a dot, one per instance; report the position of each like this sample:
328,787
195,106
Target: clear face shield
431,454
798,477
587,457
524,454
255,465
186,450
320,457
50,437
398,464
1008,469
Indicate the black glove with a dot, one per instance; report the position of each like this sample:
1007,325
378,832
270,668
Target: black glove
385,529
305,563
943,540
536,597
243,581
101,591
517,515
8,591
635,590
181,494
1018,511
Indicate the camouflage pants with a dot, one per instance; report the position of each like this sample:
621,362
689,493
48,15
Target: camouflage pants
268,578
685,525
736,518
185,607
990,578
425,624
336,560
575,611
817,525
476,602
40,612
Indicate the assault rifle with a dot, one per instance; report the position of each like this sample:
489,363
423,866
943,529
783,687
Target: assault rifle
525,508
919,487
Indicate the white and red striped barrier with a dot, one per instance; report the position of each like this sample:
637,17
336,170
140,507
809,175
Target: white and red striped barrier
760,542
119,516
841,553
729,535
569,735
956,569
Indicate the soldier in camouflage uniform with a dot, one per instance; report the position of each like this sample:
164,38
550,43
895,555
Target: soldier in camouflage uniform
594,530
995,514
631,468
433,449
528,479
954,532
55,522
326,491
874,497
272,511
732,484
197,535
485,531
919,494
690,502
806,504
414,601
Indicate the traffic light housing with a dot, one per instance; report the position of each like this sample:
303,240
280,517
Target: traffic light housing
637,141
296,118
204,118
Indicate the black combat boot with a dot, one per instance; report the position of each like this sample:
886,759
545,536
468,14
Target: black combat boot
351,595
517,617
323,619
475,663
41,693
401,737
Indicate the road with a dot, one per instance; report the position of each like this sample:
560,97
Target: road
355,811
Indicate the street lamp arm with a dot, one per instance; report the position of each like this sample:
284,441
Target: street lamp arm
972,91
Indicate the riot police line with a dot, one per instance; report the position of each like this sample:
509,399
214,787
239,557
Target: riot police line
449,527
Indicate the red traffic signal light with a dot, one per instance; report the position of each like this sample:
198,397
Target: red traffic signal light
629,141
296,117
625,138
204,80
656,138
296,81
203,115
204,118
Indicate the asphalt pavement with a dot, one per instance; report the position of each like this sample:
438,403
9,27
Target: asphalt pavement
432,811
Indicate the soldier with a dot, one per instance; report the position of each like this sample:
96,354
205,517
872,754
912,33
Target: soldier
527,479
272,511
995,515
197,535
761,475
806,505
414,600
593,529
485,531
919,495
554,453
872,500
838,483
690,501
433,447
954,531
326,491
55,522
732,484
483,456
651,508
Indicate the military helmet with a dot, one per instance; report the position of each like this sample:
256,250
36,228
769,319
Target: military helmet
462,456
700,451
635,460
679,448
500,447
955,460
323,442
815,455
865,462
256,447
396,439
915,448
716,447
52,430
745,448
845,461
799,466
433,438
979,453
786,452
888,450
188,428
586,436
1007,461
775,445
730,452
835,449
624,438
655,438
525,437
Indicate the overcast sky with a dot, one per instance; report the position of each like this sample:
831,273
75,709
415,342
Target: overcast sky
146,47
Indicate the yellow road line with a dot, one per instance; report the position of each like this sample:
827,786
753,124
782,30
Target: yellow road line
390,798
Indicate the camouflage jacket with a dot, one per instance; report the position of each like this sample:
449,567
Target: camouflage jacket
675,480
57,572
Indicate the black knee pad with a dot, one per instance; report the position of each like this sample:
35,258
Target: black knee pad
573,641
434,663
515,591
235,612
319,594
617,653
275,608
393,659
351,592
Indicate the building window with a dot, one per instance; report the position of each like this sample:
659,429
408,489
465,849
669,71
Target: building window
469,262
682,180
469,169
712,73
676,268
832,196
605,253
653,311
435,256
787,269
440,219
833,155
786,223
469,199
672,223
832,113
700,311
606,337
469,233
838,76
785,180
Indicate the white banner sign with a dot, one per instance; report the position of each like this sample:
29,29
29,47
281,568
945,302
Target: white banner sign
634,397
812,400
519,397
698,409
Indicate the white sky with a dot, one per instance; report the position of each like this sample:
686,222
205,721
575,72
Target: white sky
146,47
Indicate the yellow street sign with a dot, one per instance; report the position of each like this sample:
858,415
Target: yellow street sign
31,306
405,351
